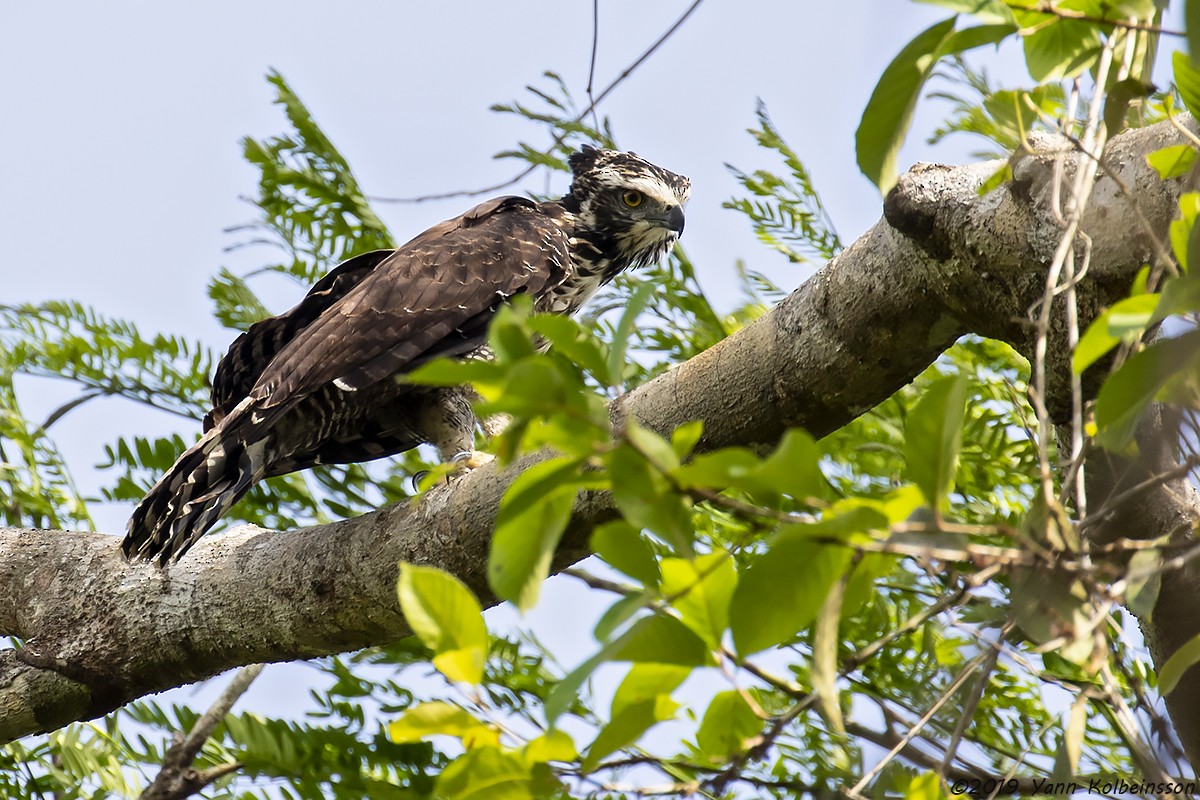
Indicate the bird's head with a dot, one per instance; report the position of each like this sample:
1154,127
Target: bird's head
633,206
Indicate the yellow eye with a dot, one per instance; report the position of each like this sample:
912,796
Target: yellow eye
632,199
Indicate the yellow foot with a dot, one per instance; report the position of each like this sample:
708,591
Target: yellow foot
454,467
469,460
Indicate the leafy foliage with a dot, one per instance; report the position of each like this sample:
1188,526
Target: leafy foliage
36,488
775,620
786,212
310,201
1005,117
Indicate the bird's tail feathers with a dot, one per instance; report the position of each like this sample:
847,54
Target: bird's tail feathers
198,489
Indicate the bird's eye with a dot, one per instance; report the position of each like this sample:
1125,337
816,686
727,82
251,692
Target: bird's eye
632,199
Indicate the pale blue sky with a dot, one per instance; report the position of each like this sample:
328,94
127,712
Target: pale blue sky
121,124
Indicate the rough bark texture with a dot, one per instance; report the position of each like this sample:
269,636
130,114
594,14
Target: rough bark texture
943,262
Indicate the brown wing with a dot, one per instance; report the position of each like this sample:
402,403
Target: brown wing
434,296
248,356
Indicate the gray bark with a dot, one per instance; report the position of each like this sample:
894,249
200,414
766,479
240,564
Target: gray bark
944,261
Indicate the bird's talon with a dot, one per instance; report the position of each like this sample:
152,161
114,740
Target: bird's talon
417,477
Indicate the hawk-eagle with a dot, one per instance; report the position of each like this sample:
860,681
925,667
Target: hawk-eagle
318,384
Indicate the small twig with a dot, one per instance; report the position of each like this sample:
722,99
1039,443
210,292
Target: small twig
1126,725
972,703
603,584
1114,502
913,732
560,137
71,405
592,65
178,778
1046,7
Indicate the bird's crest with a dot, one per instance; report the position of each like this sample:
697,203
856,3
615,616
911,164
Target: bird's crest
595,169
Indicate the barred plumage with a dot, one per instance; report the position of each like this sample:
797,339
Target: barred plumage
314,384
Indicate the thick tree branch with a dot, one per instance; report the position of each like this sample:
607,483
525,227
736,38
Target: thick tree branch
945,261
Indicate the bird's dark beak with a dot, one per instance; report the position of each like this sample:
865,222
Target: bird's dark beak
674,219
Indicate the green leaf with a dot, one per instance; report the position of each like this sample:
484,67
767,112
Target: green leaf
647,500
992,12
552,746
452,372
978,36
720,469
861,586
1048,608
442,719
566,692
1182,229
1131,388
625,326
310,201
1187,80
824,657
729,726
888,114
447,618
619,613
627,726
700,590
1193,246
655,448
508,335
654,639
622,547
235,303
1183,659
567,337
532,517
661,640
647,681
685,437
784,210
642,700
1058,48
1124,321
1145,582
933,435
1174,161
1121,96
1074,733
1141,281
782,590
793,468
1130,317
927,786
533,387
486,773
1180,295
997,179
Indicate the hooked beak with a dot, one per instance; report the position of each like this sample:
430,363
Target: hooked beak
674,220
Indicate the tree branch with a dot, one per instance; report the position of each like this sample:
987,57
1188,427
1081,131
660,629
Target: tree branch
944,262
178,779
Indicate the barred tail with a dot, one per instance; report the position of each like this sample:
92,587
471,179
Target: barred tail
197,490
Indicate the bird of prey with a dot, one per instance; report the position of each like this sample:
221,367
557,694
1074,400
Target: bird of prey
323,382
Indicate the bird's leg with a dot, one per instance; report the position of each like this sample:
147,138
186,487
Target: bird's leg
454,432
495,424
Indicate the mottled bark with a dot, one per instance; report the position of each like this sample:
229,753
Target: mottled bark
943,262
